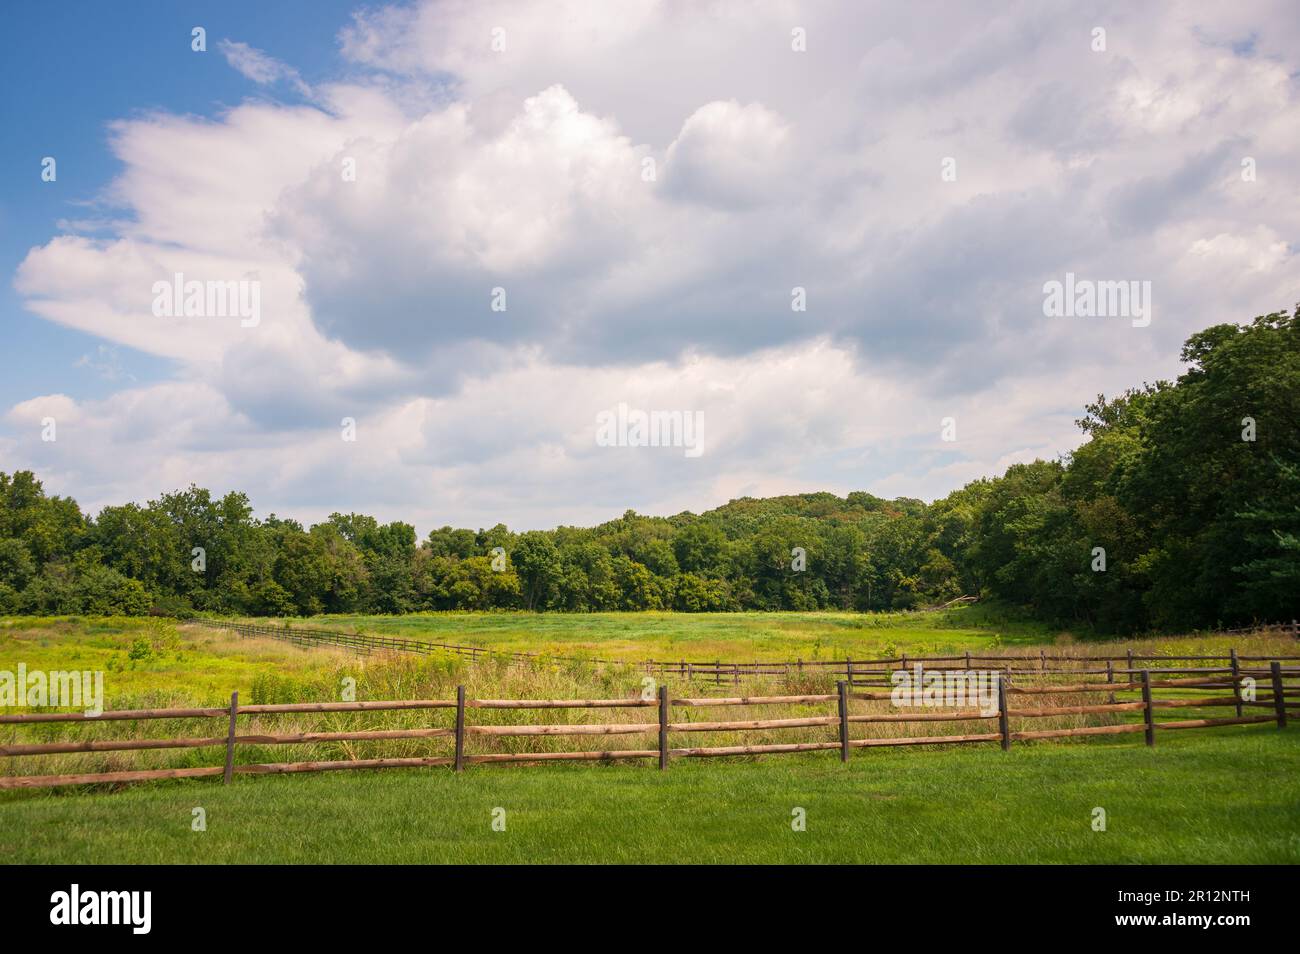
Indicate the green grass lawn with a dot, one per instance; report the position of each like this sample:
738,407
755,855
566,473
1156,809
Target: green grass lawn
1215,796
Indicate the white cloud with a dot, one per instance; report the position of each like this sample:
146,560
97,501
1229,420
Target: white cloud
730,155
259,66
523,169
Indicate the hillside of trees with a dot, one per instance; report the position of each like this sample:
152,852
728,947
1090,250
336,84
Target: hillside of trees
1192,488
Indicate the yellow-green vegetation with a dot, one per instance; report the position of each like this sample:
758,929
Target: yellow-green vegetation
742,637
735,637
154,663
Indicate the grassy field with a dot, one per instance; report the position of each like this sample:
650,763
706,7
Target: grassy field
695,636
738,637
156,663
1219,796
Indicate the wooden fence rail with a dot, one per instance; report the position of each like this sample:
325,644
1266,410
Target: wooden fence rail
855,671
663,727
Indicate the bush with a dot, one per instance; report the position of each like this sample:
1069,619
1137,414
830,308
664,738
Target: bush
176,607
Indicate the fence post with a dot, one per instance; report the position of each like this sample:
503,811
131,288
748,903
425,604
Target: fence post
460,728
1110,671
968,659
663,727
230,740
1236,680
1279,697
1042,659
1147,708
1004,721
1130,665
844,721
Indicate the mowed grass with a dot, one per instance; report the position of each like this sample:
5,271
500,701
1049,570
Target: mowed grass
1219,796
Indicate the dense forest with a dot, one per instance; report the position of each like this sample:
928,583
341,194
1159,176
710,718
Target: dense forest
1191,489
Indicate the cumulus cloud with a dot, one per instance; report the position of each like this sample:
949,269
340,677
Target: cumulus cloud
730,156
494,153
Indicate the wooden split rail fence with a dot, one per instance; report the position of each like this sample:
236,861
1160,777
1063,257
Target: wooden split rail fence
1239,688
858,672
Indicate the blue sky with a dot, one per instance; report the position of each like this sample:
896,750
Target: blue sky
651,186
66,70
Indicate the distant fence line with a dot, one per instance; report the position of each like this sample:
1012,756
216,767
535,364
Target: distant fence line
858,672
842,721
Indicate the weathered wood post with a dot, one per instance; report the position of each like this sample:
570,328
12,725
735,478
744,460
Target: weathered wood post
1130,665
1279,697
844,720
1236,680
230,739
663,727
1004,721
460,728
1147,708
1110,671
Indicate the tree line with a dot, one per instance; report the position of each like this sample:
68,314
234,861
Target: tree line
1180,509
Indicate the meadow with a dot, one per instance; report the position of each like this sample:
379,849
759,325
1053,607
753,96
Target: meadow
736,637
1228,794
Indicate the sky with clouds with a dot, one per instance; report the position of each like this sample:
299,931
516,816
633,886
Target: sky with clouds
647,180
